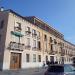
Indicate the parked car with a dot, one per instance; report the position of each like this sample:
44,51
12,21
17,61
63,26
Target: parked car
60,70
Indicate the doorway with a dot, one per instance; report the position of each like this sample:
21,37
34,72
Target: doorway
15,60
52,58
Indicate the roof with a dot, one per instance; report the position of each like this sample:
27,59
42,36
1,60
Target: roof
45,24
56,32
69,42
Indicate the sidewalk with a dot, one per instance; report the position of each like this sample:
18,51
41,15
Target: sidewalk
29,71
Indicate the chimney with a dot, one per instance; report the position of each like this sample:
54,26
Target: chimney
2,9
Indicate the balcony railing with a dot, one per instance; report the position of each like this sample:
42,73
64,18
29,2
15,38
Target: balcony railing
38,37
34,48
62,53
39,49
51,40
28,32
70,54
34,34
53,52
27,47
16,46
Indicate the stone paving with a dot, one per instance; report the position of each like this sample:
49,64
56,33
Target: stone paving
32,71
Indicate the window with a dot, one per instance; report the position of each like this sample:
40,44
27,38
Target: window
39,58
45,37
55,42
51,47
18,26
38,34
28,28
34,43
28,41
34,57
34,32
51,39
46,45
39,45
0,37
27,57
1,24
46,58
28,32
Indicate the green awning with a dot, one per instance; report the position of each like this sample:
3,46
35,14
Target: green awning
18,34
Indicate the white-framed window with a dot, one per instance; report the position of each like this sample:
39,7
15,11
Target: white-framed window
27,31
34,57
39,45
17,26
27,57
33,31
39,58
51,39
28,28
34,43
45,37
38,34
28,41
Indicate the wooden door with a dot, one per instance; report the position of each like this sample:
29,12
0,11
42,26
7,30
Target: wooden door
15,61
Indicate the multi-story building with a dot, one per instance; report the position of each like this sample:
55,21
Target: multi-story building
69,52
27,42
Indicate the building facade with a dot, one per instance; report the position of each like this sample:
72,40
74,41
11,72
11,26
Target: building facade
27,42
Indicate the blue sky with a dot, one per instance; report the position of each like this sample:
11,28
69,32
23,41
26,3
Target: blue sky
60,14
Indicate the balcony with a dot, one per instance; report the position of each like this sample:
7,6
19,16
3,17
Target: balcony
28,32
53,52
70,54
34,48
38,37
34,34
16,46
48,51
62,53
39,49
27,47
